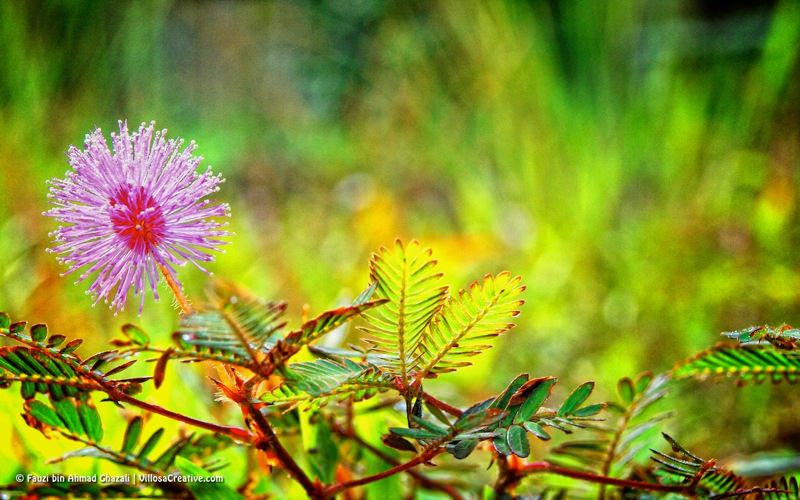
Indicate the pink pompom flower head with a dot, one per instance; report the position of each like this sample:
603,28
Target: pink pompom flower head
129,214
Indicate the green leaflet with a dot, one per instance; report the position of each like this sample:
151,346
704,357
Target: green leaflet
518,441
537,396
151,443
578,396
132,433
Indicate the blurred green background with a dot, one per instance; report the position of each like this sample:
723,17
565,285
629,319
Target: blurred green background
635,161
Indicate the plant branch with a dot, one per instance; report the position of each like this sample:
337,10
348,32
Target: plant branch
270,439
548,468
403,467
422,479
236,433
452,410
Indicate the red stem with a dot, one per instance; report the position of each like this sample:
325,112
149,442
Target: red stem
271,439
546,467
339,487
452,410
235,432
422,479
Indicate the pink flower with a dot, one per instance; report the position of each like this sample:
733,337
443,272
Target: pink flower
136,212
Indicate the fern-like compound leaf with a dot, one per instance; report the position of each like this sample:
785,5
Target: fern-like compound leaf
234,323
467,322
405,275
315,328
683,467
316,383
746,363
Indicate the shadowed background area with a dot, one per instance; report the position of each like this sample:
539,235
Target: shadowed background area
635,161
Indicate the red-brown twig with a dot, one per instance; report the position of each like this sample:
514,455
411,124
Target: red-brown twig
313,489
419,459
236,433
548,468
420,478
452,410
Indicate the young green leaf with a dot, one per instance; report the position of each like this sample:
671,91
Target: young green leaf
55,341
589,410
626,390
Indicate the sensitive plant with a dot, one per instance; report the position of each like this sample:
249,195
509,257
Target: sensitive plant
137,212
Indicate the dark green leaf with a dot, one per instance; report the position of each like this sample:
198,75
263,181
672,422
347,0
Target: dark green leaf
589,410
44,414
578,396
518,441
537,430
501,402
461,449
28,390
439,414
416,433
538,395
325,454
398,443
69,414
433,427
500,441
90,419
